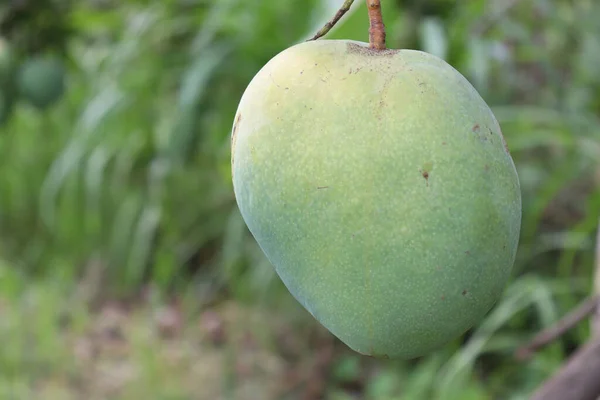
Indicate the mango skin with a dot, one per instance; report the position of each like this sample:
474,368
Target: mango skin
380,187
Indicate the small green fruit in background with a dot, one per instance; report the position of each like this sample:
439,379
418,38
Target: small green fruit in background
42,81
379,185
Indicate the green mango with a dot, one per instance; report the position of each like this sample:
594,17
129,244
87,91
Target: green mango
379,185
41,81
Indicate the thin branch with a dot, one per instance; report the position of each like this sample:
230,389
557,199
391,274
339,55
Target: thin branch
579,378
329,25
552,333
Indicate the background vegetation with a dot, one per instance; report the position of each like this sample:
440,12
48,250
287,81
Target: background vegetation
126,271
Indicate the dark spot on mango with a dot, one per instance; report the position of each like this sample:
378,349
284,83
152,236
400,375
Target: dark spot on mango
464,292
476,128
504,143
426,171
234,131
235,128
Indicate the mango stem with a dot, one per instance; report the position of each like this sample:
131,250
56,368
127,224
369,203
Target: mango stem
377,27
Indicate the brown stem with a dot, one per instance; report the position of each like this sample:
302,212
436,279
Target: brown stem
377,28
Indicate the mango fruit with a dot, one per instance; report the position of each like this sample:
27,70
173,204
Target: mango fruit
380,187
41,81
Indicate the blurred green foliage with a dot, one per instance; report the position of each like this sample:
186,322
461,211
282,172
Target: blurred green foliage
126,182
